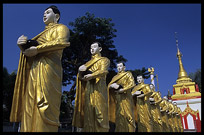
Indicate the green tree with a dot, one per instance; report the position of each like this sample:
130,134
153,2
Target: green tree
8,88
83,32
196,77
144,72
86,30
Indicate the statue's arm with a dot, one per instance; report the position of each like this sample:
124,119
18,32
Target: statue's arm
103,68
131,82
149,91
172,109
60,42
163,106
153,94
157,102
146,94
159,99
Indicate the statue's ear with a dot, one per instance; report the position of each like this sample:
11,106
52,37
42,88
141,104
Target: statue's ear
100,49
57,17
124,68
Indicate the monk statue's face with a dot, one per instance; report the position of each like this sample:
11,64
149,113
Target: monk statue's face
120,67
50,16
140,79
95,48
151,87
165,98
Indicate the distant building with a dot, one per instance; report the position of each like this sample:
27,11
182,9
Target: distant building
169,95
187,96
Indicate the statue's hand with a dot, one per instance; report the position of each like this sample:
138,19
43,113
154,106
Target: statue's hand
151,99
152,103
137,93
22,40
32,51
114,85
140,96
82,68
88,77
162,110
120,90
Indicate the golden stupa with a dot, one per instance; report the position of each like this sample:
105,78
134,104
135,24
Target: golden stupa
184,87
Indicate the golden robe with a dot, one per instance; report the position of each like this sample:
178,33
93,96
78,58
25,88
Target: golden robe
164,117
37,92
180,120
175,119
121,104
91,101
144,119
155,112
170,117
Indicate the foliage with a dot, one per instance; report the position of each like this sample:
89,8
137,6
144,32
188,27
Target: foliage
196,77
144,72
86,30
66,108
8,88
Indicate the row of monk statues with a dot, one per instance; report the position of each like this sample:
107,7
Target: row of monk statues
37,92
121,102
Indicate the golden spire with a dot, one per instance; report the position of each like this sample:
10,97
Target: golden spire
157,83
182,73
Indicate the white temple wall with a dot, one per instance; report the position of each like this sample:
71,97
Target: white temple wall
194,104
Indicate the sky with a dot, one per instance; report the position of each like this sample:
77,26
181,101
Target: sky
145,34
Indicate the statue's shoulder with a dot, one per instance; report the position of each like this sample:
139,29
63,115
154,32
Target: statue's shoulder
105,59
146,86
128,73
62,26
139,87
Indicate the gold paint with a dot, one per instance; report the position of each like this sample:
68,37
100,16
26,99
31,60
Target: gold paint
37,92
183,81
170,116
144,119
121,104
164,117
175,119
155,112
179,120
91,101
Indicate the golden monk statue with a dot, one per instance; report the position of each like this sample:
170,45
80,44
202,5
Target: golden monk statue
91,101
143,92
163,108
155,99
37,92
175,118
120,100
179,120
170,116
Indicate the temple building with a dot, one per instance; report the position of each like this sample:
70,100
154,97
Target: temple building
187,96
